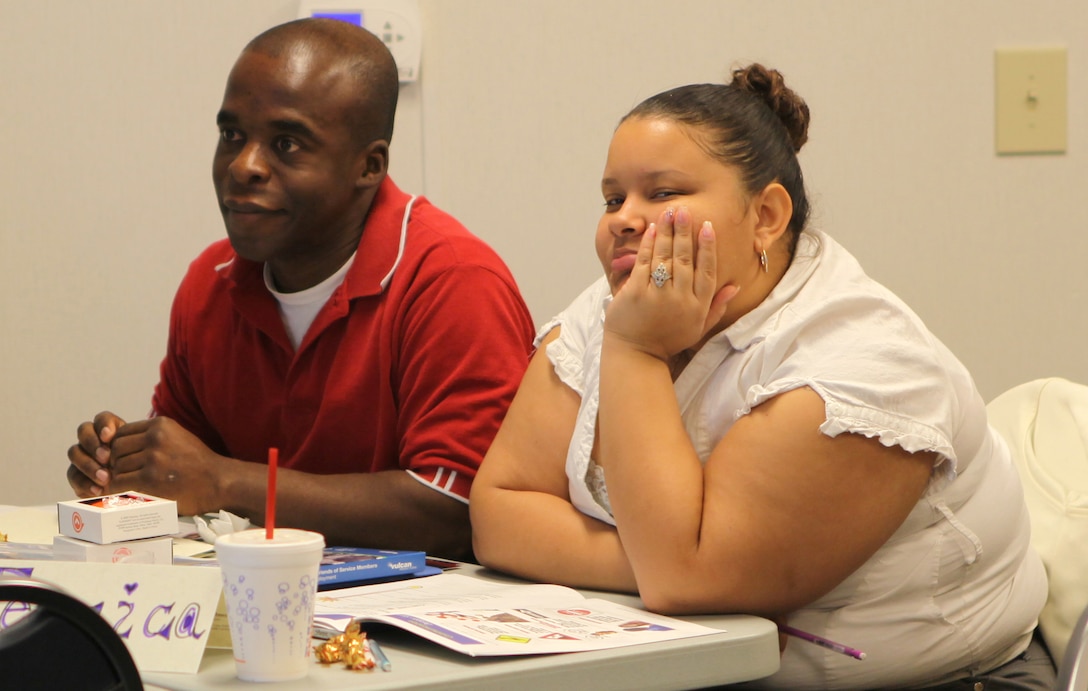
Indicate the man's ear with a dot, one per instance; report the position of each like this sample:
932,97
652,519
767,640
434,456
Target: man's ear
374,166
774,210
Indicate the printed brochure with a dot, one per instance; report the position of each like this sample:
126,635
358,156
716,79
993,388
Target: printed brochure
481,618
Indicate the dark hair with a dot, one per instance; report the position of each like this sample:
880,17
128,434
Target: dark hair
755,124
364,56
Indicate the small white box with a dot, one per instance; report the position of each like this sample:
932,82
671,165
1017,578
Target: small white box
150,550
117,517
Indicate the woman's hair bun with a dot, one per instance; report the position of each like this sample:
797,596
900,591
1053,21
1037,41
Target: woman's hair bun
769,86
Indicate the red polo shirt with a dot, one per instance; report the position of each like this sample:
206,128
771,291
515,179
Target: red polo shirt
418,376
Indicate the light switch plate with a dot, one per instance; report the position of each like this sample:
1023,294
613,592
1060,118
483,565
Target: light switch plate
1030,100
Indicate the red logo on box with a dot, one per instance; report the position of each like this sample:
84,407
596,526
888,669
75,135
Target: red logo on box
121,553
77,521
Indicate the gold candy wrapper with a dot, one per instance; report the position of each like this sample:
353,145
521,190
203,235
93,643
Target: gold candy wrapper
350,647
3,538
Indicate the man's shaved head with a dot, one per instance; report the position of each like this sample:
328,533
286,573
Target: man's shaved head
360,54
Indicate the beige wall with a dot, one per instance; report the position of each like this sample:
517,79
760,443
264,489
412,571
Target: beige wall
107,123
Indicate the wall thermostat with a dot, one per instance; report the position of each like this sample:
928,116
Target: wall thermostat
396,22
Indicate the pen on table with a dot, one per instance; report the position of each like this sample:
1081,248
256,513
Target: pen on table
830,645
379,655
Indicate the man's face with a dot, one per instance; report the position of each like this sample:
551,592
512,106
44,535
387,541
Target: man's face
288,172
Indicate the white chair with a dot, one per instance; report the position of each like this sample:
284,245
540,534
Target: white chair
1045,423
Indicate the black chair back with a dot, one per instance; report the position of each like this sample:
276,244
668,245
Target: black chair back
61,644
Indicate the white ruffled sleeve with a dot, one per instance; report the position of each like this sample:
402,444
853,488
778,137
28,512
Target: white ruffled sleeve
579,320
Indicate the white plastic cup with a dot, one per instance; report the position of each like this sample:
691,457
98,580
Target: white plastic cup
270,587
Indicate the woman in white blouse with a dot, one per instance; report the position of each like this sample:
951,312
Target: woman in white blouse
735,418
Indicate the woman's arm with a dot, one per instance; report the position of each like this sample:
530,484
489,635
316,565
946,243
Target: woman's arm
778,516
522,519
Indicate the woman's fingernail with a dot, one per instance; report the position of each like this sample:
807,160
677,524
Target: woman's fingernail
102,453
707,231
683,216
669,214
101,477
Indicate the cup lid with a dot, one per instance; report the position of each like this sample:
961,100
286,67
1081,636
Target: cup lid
284,541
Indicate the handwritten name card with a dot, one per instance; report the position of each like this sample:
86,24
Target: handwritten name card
163,613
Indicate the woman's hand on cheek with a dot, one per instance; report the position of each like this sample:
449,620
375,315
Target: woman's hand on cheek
670,301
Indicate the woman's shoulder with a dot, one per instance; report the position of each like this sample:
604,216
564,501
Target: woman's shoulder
841,305
862,348
574,353
583,316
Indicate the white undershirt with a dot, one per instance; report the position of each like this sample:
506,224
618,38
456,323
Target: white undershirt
299,309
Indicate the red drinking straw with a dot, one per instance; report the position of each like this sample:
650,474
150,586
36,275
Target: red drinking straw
270,500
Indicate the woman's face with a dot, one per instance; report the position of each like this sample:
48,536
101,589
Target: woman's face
655,164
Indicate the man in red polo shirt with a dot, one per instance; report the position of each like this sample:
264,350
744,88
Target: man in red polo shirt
364,333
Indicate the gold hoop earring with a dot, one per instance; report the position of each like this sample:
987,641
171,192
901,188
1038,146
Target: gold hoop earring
763,260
